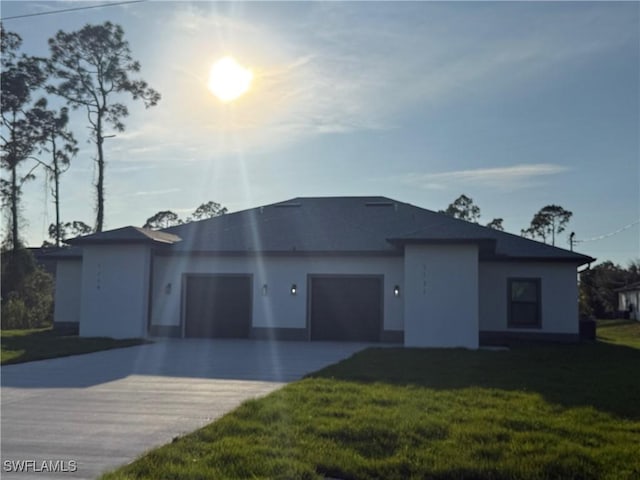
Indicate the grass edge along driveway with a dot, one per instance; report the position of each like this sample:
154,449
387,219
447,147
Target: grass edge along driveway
535,412
19,346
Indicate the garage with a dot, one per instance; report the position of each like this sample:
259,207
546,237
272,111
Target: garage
218,306
347,308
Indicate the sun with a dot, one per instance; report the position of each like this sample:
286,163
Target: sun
228,80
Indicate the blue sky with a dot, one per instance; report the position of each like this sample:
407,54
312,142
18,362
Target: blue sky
517,105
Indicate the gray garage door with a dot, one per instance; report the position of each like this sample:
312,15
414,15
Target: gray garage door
346,308
218,306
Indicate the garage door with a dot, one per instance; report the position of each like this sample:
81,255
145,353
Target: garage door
346,308
218,306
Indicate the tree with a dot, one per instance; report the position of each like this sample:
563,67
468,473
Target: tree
548,222
67,230
93,64
598,296
164,219
62,145
207,210
20,78
496,224
464,209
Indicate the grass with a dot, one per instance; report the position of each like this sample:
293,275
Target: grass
621,332
535,412
20,346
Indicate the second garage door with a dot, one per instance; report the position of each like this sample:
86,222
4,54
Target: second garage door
347,308
218,306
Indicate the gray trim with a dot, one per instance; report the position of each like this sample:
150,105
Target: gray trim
392,336
70,328
279,253
278,333
502,338
174,331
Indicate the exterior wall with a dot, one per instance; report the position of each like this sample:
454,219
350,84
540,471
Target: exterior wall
441,296
631,297
278,308
115,298
559,296
67,294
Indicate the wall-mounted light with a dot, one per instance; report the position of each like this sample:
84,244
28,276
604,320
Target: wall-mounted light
294,289
167,288
396,290
265,290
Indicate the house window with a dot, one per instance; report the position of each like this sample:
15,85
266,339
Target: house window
524,302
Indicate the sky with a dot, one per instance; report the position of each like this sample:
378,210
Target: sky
518,105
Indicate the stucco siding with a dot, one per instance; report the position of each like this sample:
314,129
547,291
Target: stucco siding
115,291
68,290
277,308
559,295
441,296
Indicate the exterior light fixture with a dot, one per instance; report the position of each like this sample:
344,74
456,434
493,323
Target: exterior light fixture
167,288
265,290
396,290
294,289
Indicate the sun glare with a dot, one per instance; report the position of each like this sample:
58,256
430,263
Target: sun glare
228,79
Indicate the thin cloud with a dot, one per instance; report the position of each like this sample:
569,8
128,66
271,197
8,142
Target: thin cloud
516,176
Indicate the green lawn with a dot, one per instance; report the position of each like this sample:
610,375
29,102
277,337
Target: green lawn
26,345
534,412
622,332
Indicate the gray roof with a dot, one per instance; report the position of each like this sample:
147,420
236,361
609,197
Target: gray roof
629,288
350,225
126,235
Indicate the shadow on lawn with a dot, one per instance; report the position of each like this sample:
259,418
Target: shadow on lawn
598,374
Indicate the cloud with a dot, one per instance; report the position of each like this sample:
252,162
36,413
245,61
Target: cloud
506,178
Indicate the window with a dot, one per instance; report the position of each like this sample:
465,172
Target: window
524,302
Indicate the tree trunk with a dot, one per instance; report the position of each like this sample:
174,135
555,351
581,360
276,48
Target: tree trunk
15,242
100,184
56,195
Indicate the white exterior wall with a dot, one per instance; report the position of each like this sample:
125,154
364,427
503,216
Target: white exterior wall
631,297
278,308
115,299
441,296
559,295
68,290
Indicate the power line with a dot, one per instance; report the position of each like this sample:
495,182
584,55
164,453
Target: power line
611,234
75,9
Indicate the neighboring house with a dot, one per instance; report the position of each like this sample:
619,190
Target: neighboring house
629,300
338,268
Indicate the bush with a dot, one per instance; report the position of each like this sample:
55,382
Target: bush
27,294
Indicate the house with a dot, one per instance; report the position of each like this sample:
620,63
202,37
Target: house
336,268
629,300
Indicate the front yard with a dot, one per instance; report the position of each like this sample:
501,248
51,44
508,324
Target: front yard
26,345
534,412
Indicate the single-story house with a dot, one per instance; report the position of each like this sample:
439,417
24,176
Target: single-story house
368,269
629,300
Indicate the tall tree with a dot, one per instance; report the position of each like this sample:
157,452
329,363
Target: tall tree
464,209
209,209
548,222
93,65
60,143
164,219
67,230
496,224
20,78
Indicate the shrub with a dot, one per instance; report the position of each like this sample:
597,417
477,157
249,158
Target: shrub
27,292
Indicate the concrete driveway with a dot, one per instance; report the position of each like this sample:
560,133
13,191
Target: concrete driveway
104,409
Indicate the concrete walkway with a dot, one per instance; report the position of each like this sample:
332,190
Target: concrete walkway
104,409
